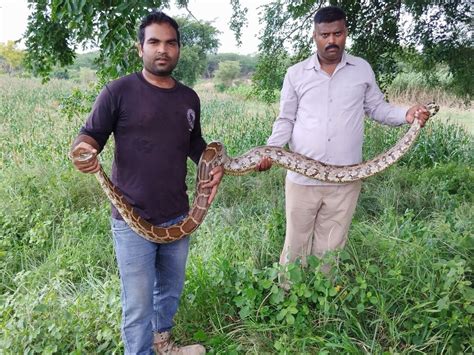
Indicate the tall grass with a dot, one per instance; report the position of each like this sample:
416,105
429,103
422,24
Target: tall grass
403,284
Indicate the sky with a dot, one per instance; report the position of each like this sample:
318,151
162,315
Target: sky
14,16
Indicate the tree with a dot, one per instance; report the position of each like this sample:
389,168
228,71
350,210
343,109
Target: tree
11,57
379,30
86,60
57,28
227,72
199,39
248,63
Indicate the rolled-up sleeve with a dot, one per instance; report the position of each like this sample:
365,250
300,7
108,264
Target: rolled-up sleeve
377,108
283,126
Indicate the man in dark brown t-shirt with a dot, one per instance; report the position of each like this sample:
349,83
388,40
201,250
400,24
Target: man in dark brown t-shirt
155,121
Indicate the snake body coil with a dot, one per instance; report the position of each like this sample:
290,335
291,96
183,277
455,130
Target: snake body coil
215,155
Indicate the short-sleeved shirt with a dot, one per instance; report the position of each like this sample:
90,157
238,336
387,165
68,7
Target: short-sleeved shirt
155,130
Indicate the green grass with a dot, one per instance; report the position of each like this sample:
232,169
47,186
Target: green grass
403,284
464,118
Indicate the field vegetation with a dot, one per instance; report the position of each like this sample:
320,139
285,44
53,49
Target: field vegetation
403,284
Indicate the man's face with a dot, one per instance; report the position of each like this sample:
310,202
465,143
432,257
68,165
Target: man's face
160,49
330,39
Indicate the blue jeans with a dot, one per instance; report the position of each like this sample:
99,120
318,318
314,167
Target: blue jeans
152,279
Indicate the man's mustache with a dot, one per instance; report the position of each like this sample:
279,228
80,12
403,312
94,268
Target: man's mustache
332,46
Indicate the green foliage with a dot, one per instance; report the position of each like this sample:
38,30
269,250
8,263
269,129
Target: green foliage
379,32
11,58
411,85
444,30
186,68
227,72
439,143
248,63
238,19
199,40
86,60
56,29
403,283
268,79
243,91
385,303
83,70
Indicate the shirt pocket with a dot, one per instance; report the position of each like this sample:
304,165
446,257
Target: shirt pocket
351,97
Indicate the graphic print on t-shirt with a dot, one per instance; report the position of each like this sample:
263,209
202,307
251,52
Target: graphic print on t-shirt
191,115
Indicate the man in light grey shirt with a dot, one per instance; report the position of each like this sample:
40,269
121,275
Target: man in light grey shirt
323,103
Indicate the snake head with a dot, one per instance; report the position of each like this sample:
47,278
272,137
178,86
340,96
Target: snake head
432,108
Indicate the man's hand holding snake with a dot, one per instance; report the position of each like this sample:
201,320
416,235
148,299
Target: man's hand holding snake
216,176
90,165
419,112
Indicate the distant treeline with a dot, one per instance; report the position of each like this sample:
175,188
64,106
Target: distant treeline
233,70
248,63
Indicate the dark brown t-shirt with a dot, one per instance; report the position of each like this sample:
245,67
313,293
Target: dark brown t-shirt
155,130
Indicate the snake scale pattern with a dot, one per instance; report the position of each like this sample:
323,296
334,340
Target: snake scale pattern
215,155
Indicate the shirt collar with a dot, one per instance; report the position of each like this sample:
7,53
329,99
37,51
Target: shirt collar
313,62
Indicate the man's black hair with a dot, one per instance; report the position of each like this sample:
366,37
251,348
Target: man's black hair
157,17
330,14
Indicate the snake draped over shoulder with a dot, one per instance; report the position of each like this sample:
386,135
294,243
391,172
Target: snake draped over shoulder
215,155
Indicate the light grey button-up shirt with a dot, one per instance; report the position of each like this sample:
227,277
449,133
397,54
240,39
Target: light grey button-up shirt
322,116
